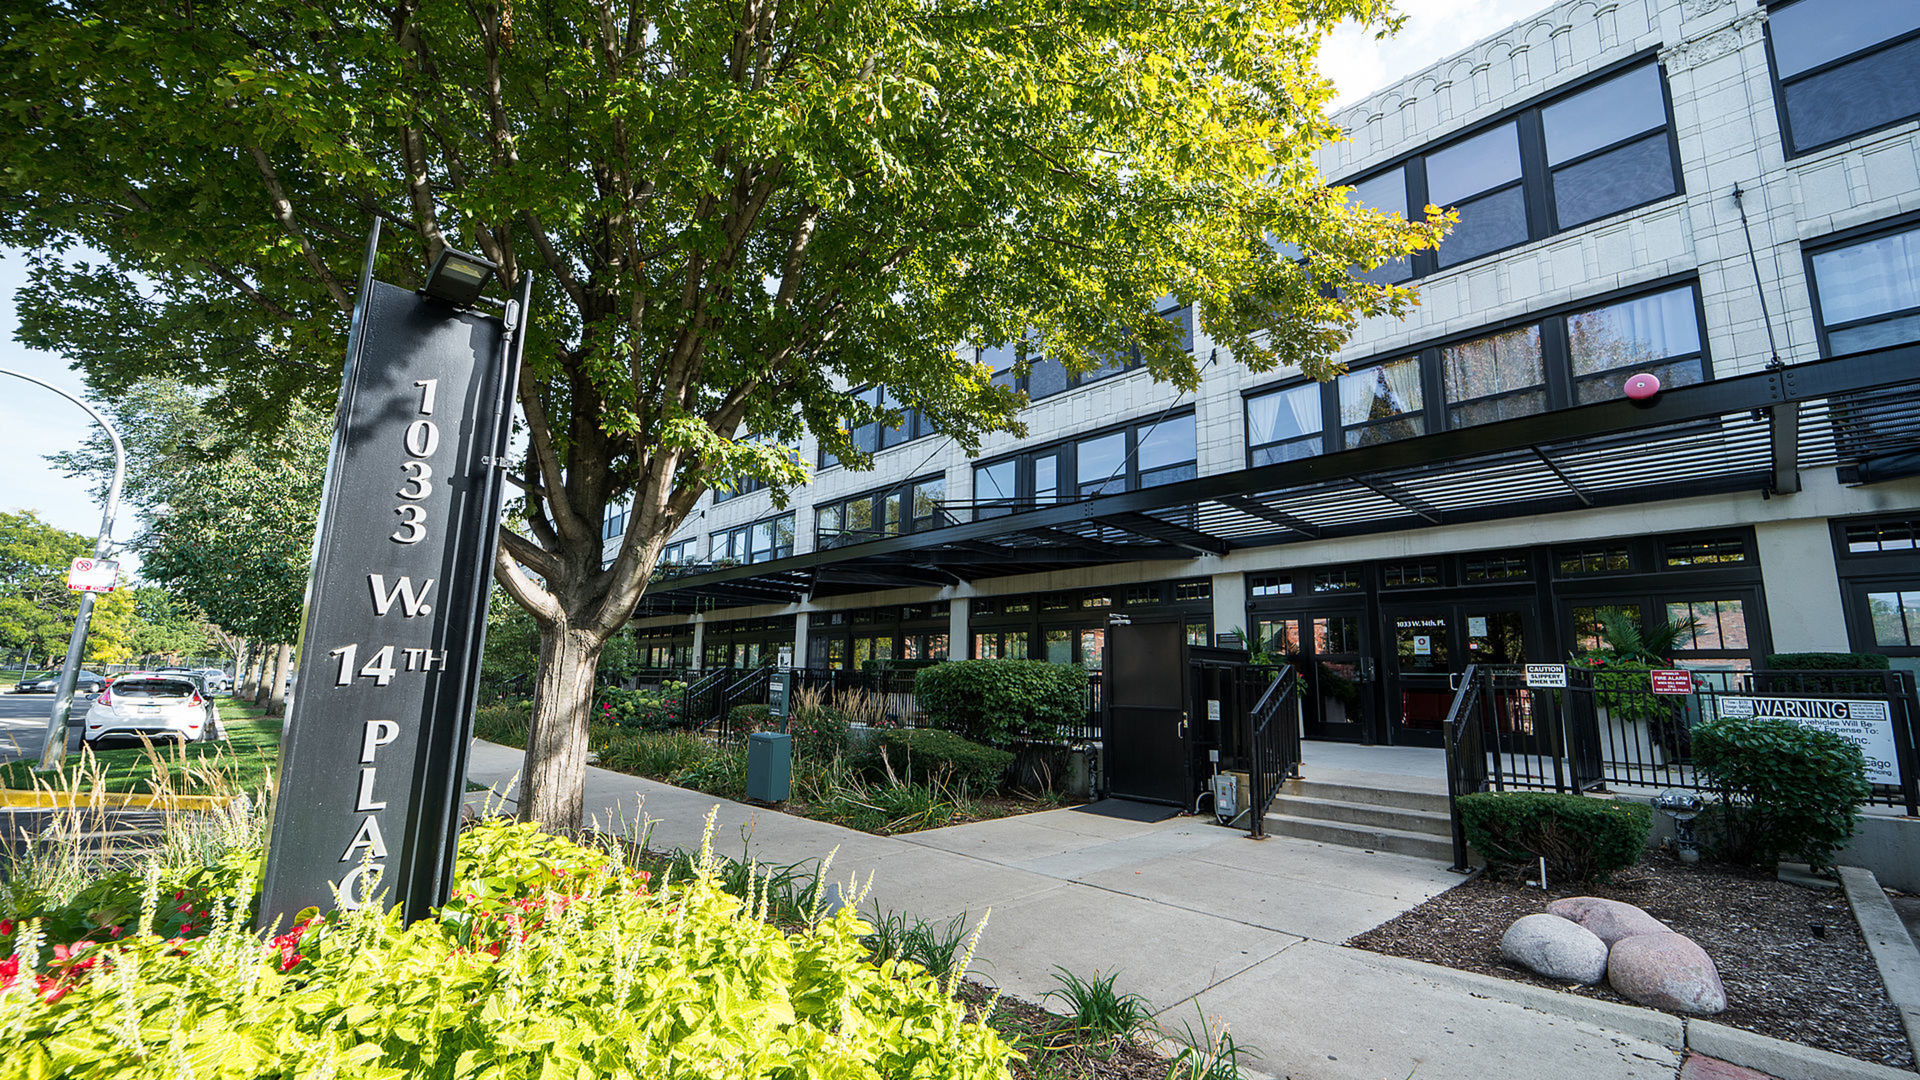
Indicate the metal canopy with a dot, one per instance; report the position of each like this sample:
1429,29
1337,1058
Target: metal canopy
1752,432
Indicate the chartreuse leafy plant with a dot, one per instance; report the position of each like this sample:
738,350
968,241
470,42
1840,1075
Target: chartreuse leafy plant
731,210
549,961
998,702
1784,790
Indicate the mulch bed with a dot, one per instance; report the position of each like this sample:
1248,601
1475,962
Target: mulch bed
1054,1050
1792,959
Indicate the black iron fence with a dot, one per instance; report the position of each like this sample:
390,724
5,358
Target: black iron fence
1273,749
1551,727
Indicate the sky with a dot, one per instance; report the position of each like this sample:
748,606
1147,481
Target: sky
35,422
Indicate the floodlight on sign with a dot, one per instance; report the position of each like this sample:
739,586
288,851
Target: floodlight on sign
458,277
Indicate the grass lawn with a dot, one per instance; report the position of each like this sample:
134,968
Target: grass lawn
242,763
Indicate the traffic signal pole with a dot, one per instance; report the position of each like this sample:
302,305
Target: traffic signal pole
55,750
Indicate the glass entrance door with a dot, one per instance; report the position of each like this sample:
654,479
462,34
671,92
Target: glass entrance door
1432,645
1328,650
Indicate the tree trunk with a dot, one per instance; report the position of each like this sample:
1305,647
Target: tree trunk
261,674
277,693
553,784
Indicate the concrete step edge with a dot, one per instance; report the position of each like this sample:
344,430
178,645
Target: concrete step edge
1373,838
1436,823
1330,791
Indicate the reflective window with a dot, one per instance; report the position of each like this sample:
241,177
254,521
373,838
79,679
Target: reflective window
1382,403
1895,617
1719,624
1885,536
1607,147
1658,334
1102,464
994,489
1167,451
1844,67
760,541
1605,150
1494,378
1869,292
1285,424
1386,192
1480,177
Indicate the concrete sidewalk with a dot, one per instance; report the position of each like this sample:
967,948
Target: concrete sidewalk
1199,919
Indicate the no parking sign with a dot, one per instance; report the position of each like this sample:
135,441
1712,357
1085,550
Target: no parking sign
93,575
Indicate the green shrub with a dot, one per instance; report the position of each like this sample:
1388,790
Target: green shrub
1000,702
1783,790
506,723
1827,661
721,771
548,960
644,710
1832,661
820,732
752,718
657,755
928,753
1581,838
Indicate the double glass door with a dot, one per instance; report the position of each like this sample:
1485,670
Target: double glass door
1430,645
1329,651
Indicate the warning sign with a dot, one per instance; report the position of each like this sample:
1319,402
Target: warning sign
93,575
1671,681
1546,676
1866,724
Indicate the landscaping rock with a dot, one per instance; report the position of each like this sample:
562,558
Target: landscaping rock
1555,947
1610,920
1666,971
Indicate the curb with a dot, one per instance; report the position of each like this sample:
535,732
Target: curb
43,800
1892,947
1775,1057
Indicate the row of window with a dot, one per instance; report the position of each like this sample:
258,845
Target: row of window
1044,376
1551,363
1486,568
915,506
1591,153
760,541
1141,455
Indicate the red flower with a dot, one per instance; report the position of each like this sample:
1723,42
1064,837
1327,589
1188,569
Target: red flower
9,971
6,927
185,907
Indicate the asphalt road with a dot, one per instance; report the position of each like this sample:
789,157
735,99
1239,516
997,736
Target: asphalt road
23,723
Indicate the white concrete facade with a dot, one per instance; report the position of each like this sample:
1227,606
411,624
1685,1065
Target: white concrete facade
1727,130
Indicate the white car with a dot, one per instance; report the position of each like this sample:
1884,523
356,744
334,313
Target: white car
153,705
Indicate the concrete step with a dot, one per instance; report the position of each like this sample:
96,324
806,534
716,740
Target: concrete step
1370,838
1399,799
1353,813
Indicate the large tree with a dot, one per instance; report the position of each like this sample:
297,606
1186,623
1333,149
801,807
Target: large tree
36,609
731,209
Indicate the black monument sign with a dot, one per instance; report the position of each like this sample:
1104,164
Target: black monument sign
373,764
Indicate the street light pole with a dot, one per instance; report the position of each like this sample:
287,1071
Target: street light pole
55,750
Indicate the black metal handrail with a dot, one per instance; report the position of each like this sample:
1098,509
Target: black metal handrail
1466,756
1274,748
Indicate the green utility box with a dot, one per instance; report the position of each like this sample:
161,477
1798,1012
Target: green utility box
780,696
769,766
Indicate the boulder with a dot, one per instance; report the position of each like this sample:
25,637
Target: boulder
1555,947
1666,971
1610,920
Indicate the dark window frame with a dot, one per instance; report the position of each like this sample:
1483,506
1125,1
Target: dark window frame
1560,386
909,523
1780,85
747,557
915,423
1536,174
1909,222
1019,379
1066,452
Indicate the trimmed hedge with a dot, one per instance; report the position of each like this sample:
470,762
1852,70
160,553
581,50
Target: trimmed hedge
1581,838
1001,702
927,753
1784,790
1827,661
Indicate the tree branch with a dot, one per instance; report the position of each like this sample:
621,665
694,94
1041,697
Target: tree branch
283,213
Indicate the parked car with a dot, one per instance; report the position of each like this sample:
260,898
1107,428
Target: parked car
155,705
48,682
219,680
